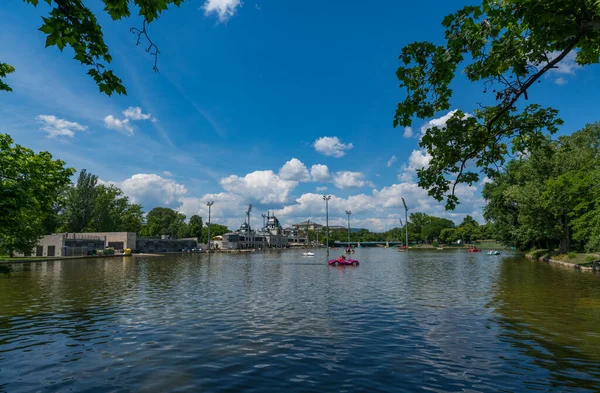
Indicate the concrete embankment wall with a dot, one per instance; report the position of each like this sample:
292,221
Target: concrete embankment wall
561,263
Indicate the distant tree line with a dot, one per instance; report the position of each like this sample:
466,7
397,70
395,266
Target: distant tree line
165,221
422,228
38,198
550,198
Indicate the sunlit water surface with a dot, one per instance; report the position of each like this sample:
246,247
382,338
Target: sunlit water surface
436,321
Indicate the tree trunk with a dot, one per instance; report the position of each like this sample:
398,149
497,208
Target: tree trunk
565,240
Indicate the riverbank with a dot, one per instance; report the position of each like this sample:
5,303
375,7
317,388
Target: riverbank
582,262
8,260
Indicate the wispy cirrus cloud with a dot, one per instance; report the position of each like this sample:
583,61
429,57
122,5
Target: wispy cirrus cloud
391,161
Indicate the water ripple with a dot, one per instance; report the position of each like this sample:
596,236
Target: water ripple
403,322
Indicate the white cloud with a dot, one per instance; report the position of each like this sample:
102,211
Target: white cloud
440,122
567,66
116,124
56,127
260,186
331,146
408,132
378,209
124,125
227,208
320,172
347,179
225,9
561,81
391,161
167,173
381,209
152,190
294,169
485,180
135,113
419,159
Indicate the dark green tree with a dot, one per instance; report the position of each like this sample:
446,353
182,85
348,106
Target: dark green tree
449,235
30,185
550,197
195,227
164,221
113,212
505,47
432,230
80,202
215,230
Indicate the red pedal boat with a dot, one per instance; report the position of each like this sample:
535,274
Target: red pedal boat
340,261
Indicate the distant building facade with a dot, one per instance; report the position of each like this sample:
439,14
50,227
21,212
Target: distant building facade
164,244
269,236
77,244
81,244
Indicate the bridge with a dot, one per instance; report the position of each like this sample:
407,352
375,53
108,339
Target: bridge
367,244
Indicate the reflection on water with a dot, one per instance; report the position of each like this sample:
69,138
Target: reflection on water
419,321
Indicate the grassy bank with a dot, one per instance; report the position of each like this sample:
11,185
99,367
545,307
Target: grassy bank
582,260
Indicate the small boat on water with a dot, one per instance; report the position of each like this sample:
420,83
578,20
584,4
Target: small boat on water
474,249
308,254
493,252
439,248
343,262
350,251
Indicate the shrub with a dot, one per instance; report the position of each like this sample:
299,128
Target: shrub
572,255
537,254
109,251
589,258
436,244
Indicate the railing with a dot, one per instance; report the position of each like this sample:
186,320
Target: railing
81,236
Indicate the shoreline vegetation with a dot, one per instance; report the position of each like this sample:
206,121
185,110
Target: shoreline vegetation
579,261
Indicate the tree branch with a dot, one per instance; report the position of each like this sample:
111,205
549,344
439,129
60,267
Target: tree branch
533,79
152,47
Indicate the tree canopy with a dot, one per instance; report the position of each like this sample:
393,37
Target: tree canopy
30,185
71,24
506,47
552,197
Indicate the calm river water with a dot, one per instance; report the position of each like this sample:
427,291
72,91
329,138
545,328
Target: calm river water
436,321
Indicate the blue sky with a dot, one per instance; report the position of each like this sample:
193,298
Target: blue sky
265,102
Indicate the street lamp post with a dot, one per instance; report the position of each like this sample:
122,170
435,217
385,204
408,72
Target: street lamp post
248,236
348,212
307,238
317,239
326,198
401,225
209,204
406,220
